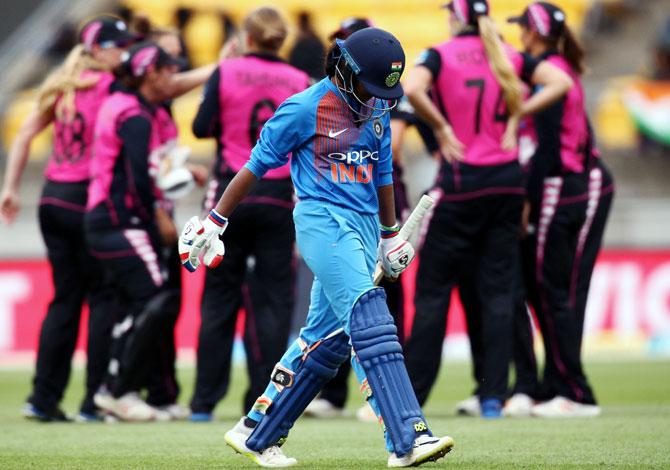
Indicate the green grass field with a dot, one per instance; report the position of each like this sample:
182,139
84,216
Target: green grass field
634,431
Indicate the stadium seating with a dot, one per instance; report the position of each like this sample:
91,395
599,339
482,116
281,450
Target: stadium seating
417,24
613,124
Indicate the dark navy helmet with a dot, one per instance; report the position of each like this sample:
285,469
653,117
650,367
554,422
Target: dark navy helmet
377,60
349,26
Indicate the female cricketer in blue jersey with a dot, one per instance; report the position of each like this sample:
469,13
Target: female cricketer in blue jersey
338,135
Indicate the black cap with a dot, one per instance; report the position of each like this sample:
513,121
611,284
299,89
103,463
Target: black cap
377,59
143,56
106,31
545,18
467,11
350,26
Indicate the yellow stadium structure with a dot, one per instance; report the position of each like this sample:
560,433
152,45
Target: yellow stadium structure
418,24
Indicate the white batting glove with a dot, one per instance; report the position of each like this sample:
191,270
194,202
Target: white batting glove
394,253
202,237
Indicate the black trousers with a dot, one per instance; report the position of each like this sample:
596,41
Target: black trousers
557,263
163,387
264,232
473,233
604,191
487,226
525,294
467,289
77,277
131,257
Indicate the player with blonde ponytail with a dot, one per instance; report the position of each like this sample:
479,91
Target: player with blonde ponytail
476,87
62,84
500,64
69,98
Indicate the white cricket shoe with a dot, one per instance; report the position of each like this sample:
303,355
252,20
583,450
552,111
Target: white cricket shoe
518,406
173,412
561,407
365,414
322,408
426,449
161,414
469,407
272,457
129,407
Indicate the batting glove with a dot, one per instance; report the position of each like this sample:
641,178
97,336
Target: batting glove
393,252
202,237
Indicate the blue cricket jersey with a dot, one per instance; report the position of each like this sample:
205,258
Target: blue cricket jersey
333,159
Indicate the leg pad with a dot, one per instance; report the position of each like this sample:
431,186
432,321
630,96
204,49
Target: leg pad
319,365
375,341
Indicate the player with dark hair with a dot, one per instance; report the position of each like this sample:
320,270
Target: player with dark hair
331,400
569,195
174,179
475,84
121,227
337,132
240,96
69,98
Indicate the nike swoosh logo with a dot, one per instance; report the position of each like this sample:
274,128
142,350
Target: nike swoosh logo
425,443
333,135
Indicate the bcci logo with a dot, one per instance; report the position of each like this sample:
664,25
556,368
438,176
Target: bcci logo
392,79
378,128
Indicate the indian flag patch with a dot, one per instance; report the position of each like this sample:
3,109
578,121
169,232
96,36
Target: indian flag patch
396,66
262,404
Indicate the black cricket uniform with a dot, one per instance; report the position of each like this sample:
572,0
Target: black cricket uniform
568,212
261,229
77,278
474,226
121,232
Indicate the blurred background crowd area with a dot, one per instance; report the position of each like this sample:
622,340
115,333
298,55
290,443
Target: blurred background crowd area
627,84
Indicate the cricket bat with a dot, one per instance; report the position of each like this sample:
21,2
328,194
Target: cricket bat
425,204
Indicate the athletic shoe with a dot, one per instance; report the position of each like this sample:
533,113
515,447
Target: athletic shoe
365,414
30,411
491,408
272,457
322,408
111,419
176,411
89,417
162,415
129,407
469,407
561,407
518,406
426,449
201,417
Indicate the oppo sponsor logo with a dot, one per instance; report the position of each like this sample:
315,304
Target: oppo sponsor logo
354,156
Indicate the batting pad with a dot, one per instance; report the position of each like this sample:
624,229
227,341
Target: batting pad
319,365
375,340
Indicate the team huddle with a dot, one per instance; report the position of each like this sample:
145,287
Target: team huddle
521,202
